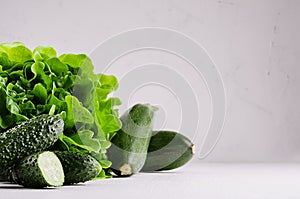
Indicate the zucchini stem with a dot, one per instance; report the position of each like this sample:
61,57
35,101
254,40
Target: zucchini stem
125,169
193,149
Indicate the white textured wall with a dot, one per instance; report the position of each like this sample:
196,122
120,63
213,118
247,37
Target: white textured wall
255,44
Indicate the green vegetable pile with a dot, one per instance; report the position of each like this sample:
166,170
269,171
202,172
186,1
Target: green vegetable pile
40,82
59,125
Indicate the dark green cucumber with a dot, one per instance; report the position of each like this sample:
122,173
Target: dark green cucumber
168,150
39,170
78,167
129,145
32,136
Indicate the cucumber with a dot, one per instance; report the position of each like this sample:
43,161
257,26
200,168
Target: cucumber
6,174
168,150
129,145
78,167
32,136
39,170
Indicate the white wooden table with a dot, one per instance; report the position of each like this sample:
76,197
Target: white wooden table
195,180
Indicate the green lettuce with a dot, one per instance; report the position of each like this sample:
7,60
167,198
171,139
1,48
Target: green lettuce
40,82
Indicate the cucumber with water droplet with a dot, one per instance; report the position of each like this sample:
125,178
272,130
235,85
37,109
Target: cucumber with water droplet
39,170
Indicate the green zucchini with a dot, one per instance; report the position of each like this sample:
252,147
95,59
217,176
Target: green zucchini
129,145
32,136
39,170
168,150
78,167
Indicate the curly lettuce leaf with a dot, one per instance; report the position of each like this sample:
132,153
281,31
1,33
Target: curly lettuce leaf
16,51
40,82
76,113
41,53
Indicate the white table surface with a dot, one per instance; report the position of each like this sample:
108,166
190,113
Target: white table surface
195,180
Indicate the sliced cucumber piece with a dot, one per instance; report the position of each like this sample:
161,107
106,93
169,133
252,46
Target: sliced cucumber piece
51,168
39,170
